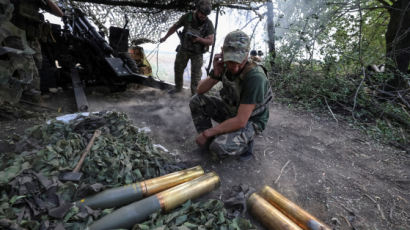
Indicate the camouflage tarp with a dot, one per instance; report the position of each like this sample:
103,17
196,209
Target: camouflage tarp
33,197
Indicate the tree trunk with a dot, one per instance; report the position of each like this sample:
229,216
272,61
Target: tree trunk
398,39
271,35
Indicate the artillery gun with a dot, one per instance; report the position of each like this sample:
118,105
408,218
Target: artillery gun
86,58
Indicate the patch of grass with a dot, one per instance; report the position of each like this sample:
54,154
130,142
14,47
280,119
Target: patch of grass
387,132
384,119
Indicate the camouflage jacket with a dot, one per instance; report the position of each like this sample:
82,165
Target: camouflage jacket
192,28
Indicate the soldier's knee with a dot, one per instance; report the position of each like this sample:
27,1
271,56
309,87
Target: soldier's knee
219,149
224,146
195,101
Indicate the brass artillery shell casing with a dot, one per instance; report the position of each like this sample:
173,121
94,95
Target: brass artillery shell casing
161,183
128,215
270,216
175,196
126,194
294,212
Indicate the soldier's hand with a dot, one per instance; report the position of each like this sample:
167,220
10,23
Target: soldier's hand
162,40
218,64
202,139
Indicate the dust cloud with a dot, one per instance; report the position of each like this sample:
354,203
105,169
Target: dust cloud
168,117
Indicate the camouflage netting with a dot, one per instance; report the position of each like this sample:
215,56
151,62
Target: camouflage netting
209,214
143,23
33,197
147,19
135,158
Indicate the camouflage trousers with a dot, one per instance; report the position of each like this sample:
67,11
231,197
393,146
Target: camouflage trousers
181,61
204,109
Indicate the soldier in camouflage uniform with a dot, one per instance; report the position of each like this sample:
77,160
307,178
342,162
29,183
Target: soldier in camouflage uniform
197,36
17,67
242,109
26,17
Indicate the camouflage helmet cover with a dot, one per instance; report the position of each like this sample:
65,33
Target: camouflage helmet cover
204,6
236,46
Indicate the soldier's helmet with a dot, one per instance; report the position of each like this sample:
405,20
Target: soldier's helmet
236,46
205,6
6,10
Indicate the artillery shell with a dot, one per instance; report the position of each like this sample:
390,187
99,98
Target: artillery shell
302,218
116,197
127,216
177,195
270,216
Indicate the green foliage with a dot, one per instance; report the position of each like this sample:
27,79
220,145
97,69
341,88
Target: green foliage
321,86
344,36
385,131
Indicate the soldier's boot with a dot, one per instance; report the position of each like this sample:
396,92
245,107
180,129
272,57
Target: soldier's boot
246,156
174,91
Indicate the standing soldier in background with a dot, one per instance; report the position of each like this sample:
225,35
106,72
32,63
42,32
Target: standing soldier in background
254,56
260,55
17,66
27,17
197,36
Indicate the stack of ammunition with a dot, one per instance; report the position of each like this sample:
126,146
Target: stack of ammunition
277,212
165,193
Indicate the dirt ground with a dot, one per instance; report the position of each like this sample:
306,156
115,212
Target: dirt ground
330,169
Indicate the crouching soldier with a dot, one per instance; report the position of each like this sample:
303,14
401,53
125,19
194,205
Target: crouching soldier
243,107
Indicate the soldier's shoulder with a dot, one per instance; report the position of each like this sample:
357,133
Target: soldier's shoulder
258,72
209,22
185,17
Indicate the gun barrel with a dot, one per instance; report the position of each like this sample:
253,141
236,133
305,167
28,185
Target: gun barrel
129,215
116,197
84,26
291,210
270,216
